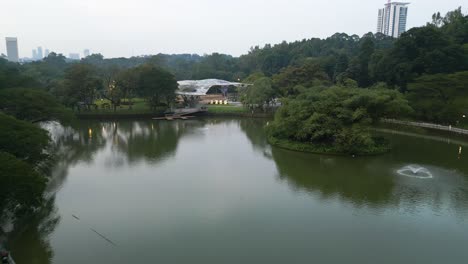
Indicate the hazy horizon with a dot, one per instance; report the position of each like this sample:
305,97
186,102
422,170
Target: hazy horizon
123,28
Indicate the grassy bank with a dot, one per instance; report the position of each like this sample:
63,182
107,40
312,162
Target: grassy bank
222,109
381,148
140,109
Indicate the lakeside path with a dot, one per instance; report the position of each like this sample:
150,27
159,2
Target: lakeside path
427,125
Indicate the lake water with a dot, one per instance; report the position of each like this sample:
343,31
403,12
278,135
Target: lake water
213,191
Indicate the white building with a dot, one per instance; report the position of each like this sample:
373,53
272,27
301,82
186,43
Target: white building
392,19
85,53
12,49
40,56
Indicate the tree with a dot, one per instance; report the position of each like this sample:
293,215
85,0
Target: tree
157,85
21,187
307,75
23,140
127,82
33,105
81,85
12,75
366,50
259,95
335,119
111,91
440,97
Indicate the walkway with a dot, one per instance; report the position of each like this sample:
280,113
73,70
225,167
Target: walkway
427,125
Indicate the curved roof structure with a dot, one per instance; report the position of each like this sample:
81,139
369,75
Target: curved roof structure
201,87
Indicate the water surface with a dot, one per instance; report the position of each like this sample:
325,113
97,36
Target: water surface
213,191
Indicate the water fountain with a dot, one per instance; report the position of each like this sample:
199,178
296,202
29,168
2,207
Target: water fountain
415,171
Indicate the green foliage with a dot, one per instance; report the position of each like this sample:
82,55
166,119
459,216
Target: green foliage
226,109
336,118
81,85
253,77
33,105
435,48
46,72
157,85
440,97
12,75
127,82
258,95
21,187
22,139
309,74
111,91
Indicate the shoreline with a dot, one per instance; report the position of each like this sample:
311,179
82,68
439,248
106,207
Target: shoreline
117,116
320,150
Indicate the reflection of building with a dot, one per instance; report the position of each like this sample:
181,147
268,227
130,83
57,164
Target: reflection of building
85,53
392,19
74,56
12,49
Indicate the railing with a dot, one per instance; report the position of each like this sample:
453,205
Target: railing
427,125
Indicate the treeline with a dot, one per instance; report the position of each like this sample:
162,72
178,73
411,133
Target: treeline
429,65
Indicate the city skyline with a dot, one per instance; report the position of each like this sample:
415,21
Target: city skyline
239,26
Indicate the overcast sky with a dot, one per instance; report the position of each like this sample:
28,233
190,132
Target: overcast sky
118,28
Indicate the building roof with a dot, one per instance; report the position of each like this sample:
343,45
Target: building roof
201,87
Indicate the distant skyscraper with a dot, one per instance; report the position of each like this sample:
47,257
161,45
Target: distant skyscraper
392,19
46,52
39,53
34,54
85,53
74,56
12,49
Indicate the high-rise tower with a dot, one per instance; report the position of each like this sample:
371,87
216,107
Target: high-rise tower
392,19
39,53
12,49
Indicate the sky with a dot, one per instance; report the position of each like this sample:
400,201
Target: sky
124,28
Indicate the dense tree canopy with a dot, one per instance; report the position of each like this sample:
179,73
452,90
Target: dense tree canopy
157,85
33,105
440,97
336,119
81,84
21,187
259,95
22,139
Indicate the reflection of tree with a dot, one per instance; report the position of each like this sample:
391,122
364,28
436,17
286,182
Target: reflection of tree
373,180
70,146
357,180
254,130
133,141
151,141
29,242
328,175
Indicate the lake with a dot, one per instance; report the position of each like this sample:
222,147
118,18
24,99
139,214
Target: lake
213,191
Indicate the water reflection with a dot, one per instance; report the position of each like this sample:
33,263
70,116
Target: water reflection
270,177
29,241
374,181
122,142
